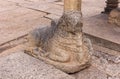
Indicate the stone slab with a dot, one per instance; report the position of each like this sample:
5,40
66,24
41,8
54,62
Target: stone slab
92,7
22,66
4,3
101,67
52,16
47,7
18,22
106,66
19,1
56,11
52,0
96,26
59,3
39,6
101,28
90,73
4,9
101,32
106,50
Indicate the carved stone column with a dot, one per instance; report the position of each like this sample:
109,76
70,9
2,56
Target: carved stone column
110,5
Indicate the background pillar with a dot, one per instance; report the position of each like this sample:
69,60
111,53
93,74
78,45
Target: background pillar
110,5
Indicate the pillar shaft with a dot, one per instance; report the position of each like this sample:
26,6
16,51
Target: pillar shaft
72,5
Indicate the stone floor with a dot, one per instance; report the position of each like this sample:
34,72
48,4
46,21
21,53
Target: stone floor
15,64
22,66
18,17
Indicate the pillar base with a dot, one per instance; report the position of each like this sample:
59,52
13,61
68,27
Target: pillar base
111,4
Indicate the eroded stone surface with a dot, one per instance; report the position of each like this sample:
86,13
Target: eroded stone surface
114,16
110,68
63,44
91,73
101,68
18,22
22,66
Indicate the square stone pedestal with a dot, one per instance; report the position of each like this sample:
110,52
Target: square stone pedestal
101,32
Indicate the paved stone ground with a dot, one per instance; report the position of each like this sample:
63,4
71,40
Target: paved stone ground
22,66
18,17
14,64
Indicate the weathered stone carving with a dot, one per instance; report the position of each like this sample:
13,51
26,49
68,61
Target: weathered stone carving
62,45
114,17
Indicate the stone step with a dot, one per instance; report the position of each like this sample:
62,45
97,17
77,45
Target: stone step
22,66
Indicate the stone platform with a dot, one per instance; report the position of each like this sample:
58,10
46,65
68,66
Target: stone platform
18,65
22,66
101,32
18,17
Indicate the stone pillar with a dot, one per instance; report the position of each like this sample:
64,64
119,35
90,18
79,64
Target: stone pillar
110,5
72,5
